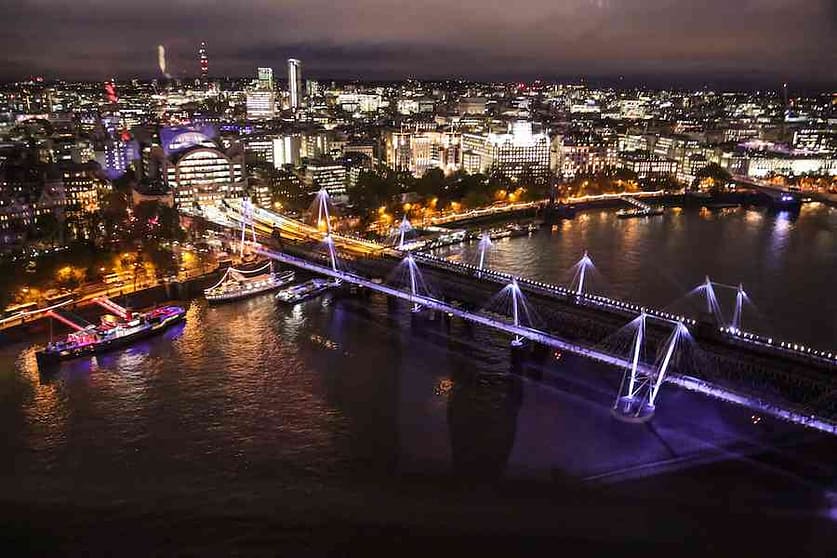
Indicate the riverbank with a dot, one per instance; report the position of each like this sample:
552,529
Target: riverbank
142,298
549,214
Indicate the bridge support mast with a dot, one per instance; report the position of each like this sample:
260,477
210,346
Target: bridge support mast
638,403
515,291
739,306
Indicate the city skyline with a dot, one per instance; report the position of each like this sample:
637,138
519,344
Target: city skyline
305,277
655,42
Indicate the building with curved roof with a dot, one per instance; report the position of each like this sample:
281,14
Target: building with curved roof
203,175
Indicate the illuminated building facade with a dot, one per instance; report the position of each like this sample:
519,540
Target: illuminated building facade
265,76
420,151
28,194
518,153
572,158
261,105
203,175
648,165
760,166
82,192
295,83
359,102
286,151
471,105
114,157
203,61
815,140
324,174
260,146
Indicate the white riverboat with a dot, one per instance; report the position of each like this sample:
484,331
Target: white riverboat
237,283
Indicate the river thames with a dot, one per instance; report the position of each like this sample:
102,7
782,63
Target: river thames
336,418
787,264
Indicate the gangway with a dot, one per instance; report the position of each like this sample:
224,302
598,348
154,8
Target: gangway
111,306
74,322
635,202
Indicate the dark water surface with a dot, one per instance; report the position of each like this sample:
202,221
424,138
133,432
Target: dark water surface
336,424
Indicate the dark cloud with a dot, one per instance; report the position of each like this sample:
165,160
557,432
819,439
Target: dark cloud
511,39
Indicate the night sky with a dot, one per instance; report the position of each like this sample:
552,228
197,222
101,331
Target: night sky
676,41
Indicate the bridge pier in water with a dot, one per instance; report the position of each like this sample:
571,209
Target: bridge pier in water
529,358
644,382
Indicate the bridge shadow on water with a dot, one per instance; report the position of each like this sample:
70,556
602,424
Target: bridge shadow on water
427,395
482,421
345,420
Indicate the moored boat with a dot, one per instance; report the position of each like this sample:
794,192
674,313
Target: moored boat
629,213
111,333
306,290
237,284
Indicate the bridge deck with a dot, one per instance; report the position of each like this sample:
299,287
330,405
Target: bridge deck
687,382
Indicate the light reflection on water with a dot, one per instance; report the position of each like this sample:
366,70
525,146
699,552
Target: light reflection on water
258,397
786,263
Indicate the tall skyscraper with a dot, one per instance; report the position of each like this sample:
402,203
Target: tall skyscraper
265,79
295,82
204,61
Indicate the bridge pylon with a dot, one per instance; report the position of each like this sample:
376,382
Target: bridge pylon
247,211
484,245
323,218
332,253
740,295
636,401
413,271
403,228
583,264
516,297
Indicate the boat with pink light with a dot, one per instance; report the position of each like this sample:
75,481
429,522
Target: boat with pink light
116,330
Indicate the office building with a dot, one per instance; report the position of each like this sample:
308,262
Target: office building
286,151
204,61
265,82
295,83
519,153
261,105
203,175
259,146
312,88
422,150
325,174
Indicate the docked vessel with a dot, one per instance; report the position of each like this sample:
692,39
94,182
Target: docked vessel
629,213
512,230
237,284
113,332
305,290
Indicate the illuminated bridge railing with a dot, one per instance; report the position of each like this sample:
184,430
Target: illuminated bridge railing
744,338
551,289
739,336
686,382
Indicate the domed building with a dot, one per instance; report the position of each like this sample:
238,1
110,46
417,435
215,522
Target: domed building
199,173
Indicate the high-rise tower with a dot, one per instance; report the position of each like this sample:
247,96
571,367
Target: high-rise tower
204,61
295,82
